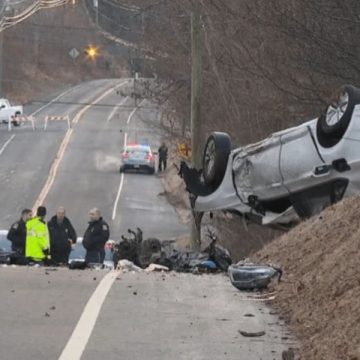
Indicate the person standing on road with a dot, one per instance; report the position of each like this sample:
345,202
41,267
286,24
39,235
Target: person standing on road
163,154
95,237
37,237
17,232
62,236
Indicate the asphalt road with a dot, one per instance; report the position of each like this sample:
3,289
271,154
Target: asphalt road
89,314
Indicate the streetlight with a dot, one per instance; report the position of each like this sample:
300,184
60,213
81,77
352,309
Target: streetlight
92,52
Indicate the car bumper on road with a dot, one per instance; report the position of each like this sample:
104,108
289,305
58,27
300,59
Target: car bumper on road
138,167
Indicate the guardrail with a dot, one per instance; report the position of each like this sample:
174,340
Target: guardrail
15,121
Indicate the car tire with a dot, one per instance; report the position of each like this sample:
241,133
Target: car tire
122,169
215,158
333,123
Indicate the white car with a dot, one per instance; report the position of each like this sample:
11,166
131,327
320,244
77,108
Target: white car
7,111
292,174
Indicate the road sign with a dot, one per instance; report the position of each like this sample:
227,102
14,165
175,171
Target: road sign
184,150
74,53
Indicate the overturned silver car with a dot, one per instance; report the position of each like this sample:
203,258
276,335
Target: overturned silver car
292,174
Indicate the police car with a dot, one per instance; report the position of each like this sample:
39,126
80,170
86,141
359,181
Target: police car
137,157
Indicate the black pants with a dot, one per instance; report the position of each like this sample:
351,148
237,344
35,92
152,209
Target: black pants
162,164
60,257
18,249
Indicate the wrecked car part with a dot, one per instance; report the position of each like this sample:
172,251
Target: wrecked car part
153,251
215,158
271,181
251,277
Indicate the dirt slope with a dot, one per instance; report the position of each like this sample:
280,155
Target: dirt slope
320,294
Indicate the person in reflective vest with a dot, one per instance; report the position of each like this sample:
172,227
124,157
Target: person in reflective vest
37,237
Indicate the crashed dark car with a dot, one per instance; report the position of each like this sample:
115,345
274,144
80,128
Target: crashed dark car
293,174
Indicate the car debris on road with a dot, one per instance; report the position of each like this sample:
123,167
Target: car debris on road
248,276
146,253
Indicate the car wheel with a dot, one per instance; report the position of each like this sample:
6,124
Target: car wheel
333,123
122,169
152,171
215,158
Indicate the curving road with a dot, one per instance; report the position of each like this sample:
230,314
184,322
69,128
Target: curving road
70,315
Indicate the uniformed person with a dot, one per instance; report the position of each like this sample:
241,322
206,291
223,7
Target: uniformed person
62,236
37,237
17,232
163,154
95,237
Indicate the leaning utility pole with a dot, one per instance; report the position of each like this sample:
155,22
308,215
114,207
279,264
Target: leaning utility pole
196,89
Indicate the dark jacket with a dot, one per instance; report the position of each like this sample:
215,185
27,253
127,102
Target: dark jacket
17,236
96,235
163,152
60,234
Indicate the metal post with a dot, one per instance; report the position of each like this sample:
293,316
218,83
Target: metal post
96,6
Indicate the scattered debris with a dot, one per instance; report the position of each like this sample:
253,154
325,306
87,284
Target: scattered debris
127,265
248,276
142,253
252,334
47,314
135,293
156,267
53,308
249,315
94,278
12,291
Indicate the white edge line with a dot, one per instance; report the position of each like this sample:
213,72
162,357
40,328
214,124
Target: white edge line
6,144
53,100
118,197
115,108
120,186
133,112
131,115
85,326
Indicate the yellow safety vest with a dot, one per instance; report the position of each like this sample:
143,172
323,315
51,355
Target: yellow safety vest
37,239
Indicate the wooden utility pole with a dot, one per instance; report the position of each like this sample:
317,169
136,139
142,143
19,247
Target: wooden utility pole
1,62
196,89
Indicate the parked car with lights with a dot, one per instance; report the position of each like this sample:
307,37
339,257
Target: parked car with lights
138,157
